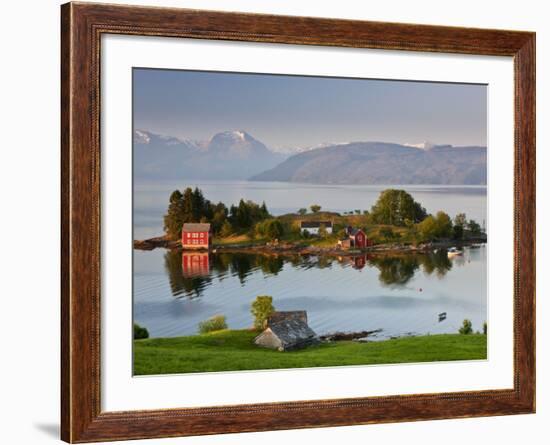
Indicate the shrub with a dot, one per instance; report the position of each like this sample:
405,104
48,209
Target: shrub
140,332
226,229
270,228
466,327
261,309
215,323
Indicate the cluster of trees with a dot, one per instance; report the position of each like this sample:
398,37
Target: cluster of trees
467,329
398,208
192,207
315,208
270,228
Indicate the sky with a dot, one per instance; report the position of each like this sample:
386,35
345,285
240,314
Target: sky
300,111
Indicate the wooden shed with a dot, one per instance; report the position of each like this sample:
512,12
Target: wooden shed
286,331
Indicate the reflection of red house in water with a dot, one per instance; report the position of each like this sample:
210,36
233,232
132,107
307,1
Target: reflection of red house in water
358,262
196,236
195,264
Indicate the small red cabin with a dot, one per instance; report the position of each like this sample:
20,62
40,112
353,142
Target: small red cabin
196,236
357,238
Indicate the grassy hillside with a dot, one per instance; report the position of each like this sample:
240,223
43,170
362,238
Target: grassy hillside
233,350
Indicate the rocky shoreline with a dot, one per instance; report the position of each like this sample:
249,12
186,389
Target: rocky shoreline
304,249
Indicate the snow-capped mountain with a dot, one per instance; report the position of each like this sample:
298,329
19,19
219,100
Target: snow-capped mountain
426,145
227,155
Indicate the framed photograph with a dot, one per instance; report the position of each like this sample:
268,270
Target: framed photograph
274,222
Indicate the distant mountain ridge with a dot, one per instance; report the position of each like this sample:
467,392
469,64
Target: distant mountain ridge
383,163
236,155
228,155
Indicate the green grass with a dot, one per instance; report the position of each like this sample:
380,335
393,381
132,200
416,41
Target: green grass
233,350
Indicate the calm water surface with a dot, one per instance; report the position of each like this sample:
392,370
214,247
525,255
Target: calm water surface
401,295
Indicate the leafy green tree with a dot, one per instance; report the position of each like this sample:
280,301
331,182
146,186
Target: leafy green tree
474,227
219,217
460,219
357,211
270,228
302,211
484,328
458,226
315,208
323,232
261,309
444,225
466,328
438,226
140,332
427,229
387,233
394,207
458,232
226,229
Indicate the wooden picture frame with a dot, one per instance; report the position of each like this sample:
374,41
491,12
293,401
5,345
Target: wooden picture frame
82,26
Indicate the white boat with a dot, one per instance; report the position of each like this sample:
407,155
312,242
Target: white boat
453,251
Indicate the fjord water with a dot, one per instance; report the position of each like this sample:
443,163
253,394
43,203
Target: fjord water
400,295
151,198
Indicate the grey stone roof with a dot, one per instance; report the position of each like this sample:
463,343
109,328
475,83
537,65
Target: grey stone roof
279,316
292,332
196,227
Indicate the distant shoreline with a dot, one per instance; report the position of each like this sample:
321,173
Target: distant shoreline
305,249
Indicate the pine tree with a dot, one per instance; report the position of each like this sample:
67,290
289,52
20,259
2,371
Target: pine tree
173,220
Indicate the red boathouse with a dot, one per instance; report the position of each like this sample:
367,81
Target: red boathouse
357,237
196,236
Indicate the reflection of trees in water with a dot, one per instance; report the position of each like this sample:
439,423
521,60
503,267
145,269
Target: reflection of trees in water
237,264
437,262
398,270
271,265
394,270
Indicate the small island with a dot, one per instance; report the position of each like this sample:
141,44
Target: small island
395,223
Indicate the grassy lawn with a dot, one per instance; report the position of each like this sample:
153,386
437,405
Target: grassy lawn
233,350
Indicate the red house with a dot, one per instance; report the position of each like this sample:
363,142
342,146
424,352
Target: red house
357,238
196,236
